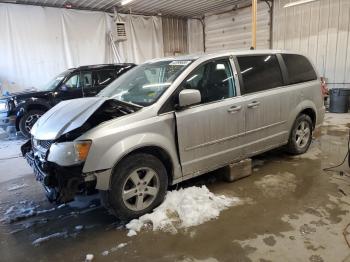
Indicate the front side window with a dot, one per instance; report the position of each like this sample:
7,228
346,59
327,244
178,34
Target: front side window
72,83
214,80
144,84
260,72
299,69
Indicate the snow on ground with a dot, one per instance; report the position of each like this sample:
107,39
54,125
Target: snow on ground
182,209
40,240
22,210
16,187
113,249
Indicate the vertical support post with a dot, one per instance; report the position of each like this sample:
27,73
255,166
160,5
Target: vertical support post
254,13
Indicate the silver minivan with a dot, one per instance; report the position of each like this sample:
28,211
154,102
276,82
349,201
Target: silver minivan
172,119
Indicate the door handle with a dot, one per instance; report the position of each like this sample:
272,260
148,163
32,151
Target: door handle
253,104
234,109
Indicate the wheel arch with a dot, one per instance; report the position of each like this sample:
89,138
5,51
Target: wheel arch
28,108
156,151
309,112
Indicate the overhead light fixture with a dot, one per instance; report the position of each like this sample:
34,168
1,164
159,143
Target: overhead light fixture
300,2
125,2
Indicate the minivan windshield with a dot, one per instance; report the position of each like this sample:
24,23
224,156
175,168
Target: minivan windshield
52,84
144,84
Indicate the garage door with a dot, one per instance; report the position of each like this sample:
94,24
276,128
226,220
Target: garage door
232,30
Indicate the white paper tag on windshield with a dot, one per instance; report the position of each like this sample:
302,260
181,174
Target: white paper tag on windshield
180,63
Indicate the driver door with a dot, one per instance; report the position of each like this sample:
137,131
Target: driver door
210,134
69,89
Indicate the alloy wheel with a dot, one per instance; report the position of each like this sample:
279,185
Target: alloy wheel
140,188
302,134
30,121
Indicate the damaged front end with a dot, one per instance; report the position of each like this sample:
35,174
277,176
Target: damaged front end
58,163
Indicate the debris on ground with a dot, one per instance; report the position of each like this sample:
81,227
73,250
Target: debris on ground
181,209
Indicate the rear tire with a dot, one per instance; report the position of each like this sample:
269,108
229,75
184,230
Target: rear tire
139,184
300,136
28,120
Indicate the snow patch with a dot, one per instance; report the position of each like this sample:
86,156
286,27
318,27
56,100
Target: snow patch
182,209
89,257
79,227
105,253
16,187
23,210
46,238
121,245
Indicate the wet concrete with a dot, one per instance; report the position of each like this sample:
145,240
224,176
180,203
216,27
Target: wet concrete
293,211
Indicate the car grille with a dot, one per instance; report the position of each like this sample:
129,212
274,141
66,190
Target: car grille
44,144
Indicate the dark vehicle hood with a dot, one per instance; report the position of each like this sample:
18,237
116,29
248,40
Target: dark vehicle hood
25,94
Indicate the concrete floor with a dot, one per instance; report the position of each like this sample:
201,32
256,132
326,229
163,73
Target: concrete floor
292,211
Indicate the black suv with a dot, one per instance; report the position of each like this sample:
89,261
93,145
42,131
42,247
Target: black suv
23,109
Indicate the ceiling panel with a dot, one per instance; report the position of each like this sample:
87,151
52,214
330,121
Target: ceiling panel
184,8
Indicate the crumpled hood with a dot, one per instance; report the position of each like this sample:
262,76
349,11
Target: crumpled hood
65,117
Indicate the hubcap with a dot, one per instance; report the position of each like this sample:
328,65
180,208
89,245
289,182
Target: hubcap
30,121
302,134
140,188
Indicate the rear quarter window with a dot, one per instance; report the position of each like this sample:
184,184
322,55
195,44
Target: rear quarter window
260,72
299,69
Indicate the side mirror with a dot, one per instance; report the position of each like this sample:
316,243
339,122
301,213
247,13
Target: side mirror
189,97
63,87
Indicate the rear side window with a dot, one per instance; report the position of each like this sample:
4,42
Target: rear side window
299,69
104,77
260,72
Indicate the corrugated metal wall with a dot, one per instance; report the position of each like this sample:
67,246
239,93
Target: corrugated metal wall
174,36
232,30
320,30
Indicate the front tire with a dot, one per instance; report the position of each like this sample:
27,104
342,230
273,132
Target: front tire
28,120
138,185
300,135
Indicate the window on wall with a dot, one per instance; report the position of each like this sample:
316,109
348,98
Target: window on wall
214,80
260,72
299,68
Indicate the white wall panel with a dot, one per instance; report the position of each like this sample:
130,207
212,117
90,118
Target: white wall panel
38,43
320,30
232,30
195,36
174,36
